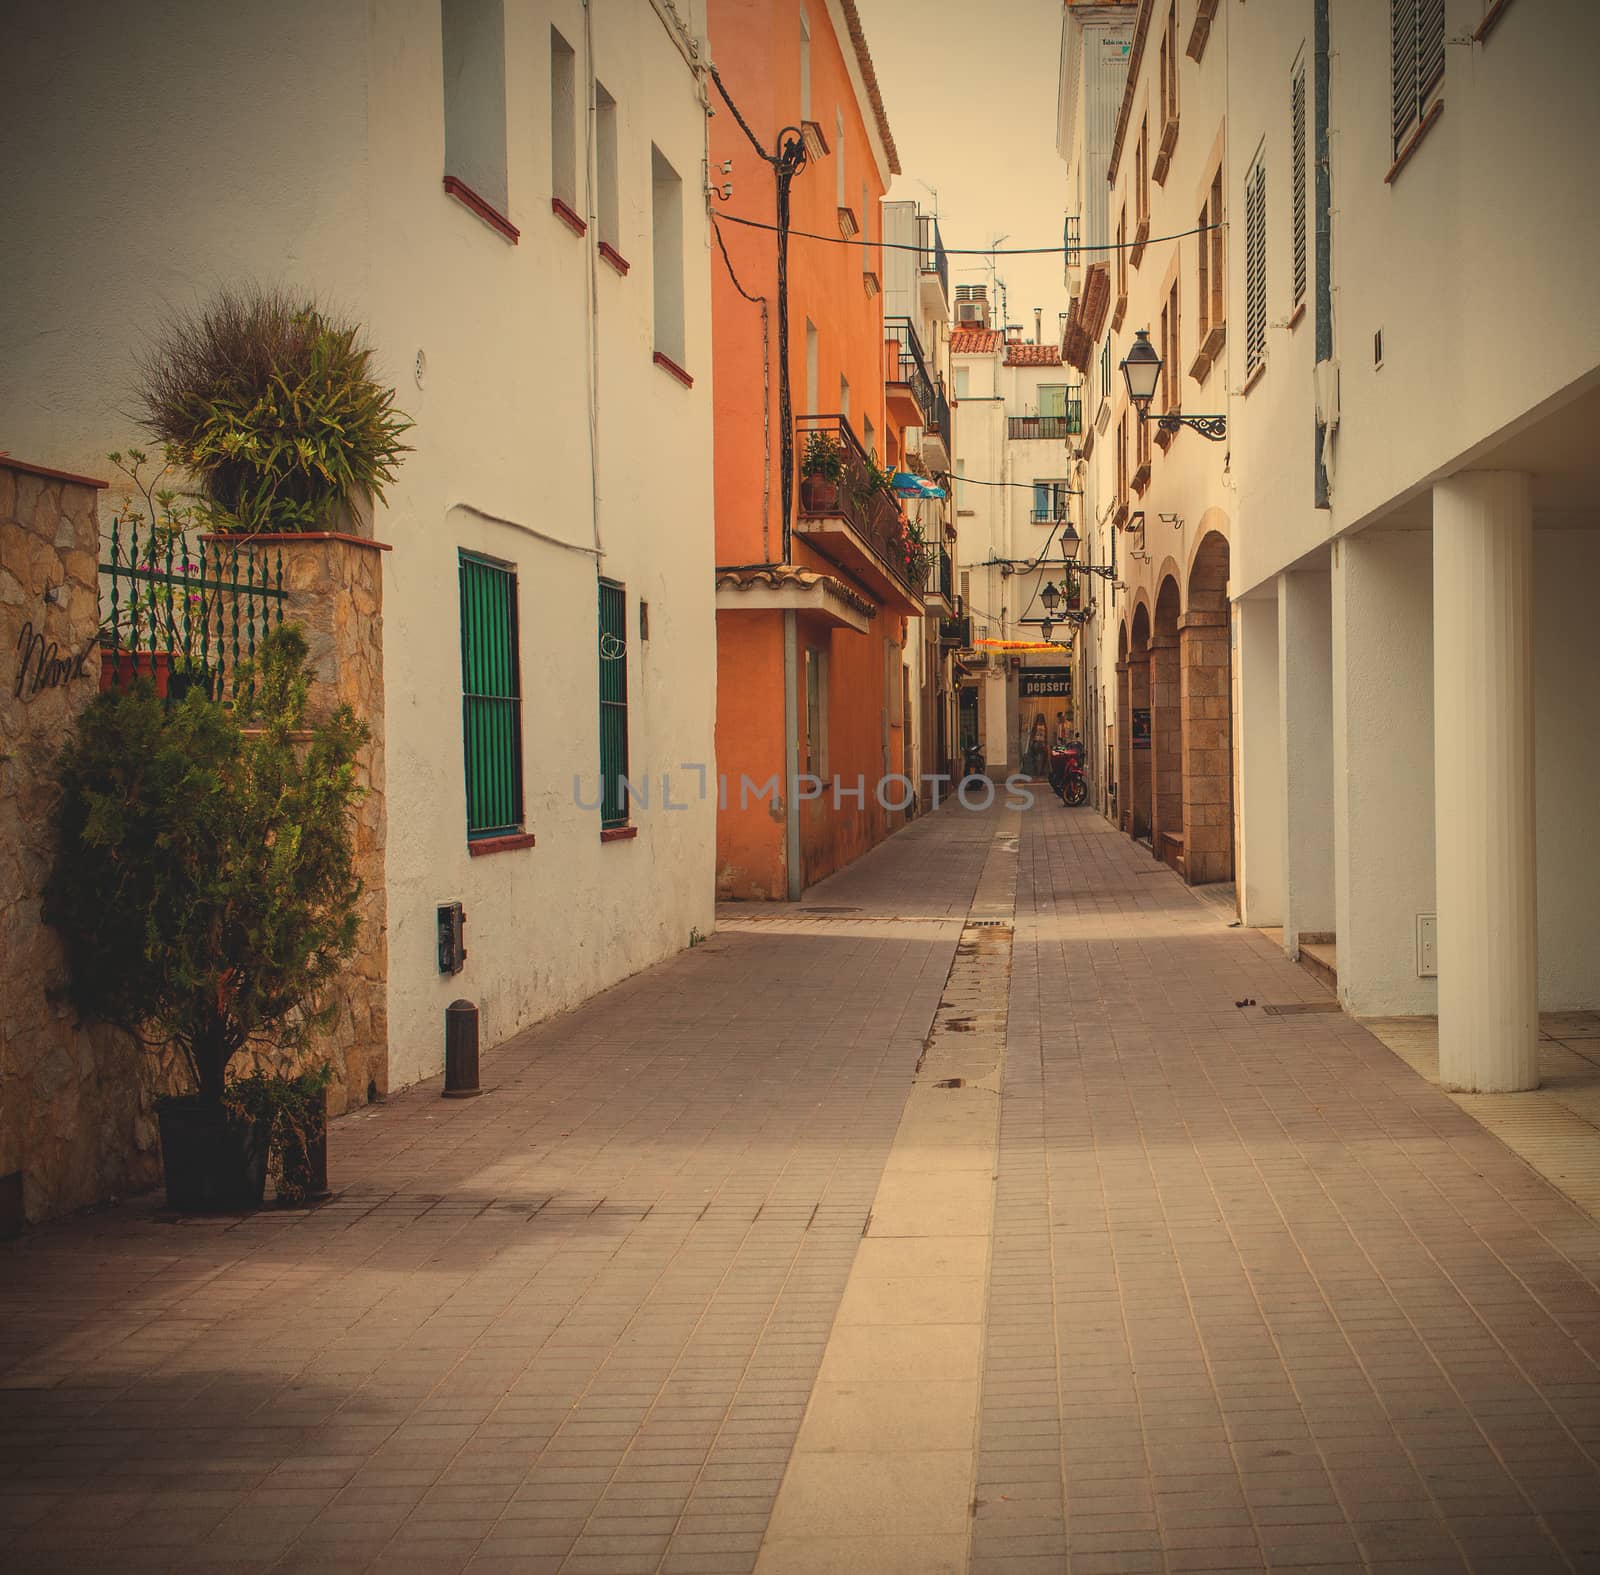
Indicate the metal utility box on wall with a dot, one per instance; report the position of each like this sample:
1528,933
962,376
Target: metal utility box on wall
1427,946
452,937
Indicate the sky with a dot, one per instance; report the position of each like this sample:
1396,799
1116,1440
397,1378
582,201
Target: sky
970,90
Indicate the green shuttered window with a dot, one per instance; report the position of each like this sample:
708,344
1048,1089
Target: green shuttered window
613,704
491,696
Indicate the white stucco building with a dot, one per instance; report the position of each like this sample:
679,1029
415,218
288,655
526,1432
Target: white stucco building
1416,494
1018,419
508,194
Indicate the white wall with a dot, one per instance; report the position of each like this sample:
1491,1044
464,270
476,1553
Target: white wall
1566,673
304,149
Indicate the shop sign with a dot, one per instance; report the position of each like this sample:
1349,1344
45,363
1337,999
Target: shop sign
1052,681
1141,727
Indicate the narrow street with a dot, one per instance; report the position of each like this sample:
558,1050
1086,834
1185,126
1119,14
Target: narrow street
977,1214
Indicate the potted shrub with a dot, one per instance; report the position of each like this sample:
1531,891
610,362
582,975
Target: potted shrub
821,473
205,889
272,405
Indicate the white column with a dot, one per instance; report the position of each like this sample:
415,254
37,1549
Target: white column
1305,680
1483,781
1260,871
1381,585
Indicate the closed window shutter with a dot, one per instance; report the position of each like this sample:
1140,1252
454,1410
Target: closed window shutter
1403,46
1255,265
1430,49
491,697
1297,129
613,704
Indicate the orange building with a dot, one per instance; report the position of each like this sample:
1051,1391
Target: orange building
812,604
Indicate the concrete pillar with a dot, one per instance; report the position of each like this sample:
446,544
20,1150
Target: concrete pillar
1166,739
1204,662
1124,764
1305,731
1382,594
1484,813
1260,872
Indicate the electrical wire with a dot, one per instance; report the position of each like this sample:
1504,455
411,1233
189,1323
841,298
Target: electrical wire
973,251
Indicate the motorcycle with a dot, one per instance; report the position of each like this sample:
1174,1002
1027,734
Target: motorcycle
1066,774
972,761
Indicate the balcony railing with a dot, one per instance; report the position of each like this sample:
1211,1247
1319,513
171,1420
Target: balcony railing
838,481
1056,426
941,578
956,632
932,258
1072,241
1054,515
904,362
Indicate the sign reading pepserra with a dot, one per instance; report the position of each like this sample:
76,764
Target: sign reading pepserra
1046,681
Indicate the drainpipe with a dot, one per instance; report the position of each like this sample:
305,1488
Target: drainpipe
791,752
1324,190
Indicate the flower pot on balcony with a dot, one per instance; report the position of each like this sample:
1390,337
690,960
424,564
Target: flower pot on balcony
818,495
119,670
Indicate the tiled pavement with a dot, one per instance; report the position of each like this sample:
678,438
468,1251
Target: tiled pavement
1260,1296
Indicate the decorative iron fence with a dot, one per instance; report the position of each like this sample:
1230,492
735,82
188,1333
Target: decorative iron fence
181,614
933,259
1055,426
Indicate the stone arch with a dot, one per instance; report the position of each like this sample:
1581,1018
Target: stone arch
1166,728
1141,805
1205,661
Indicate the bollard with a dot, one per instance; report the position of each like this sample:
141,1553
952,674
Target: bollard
461,1050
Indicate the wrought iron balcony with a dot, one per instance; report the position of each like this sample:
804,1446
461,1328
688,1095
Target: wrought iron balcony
847,511
1056,514
910,388
933,265
1072,243
940,589
956,632
1069,424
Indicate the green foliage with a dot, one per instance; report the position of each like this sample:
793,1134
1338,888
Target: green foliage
294,1108
823,459
204,880
272,405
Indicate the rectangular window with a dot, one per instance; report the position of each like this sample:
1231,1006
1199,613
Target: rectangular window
1142,169
613,704
1255,263
475,97
1053,399
844,397
816,712
963,381
866,231
1122,252
805,65
1171,352
813,379
1210,300
961,484
1122,459
666,255
1105,369
869,438
1297,169
563,122
1416,36
491,696
605,158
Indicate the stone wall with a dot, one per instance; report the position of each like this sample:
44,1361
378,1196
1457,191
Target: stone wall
75,1121
76,1115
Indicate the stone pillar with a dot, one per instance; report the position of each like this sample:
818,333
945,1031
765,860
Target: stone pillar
1305,679
1261,850
1382,593
335,586
1166,740
1140,805
1206,699
1484,812
1124,762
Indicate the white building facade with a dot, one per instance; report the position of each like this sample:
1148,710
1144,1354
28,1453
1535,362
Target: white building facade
1416,498
1018,420
508,195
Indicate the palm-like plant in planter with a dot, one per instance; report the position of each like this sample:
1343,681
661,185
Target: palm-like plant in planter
821,472
205,888
273,406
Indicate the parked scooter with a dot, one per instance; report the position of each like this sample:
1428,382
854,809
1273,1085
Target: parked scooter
972,761
1066,774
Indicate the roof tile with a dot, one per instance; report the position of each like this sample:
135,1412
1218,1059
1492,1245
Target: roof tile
1033,355
975,341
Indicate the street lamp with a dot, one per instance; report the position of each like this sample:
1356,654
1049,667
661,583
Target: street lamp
1051,598
1071,543
1141,370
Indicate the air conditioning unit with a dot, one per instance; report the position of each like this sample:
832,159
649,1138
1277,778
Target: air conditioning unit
973,313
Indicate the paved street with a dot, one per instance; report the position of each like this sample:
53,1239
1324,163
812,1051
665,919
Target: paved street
1223,1288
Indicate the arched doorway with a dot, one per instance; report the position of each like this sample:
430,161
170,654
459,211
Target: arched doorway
1141,805
1122,781
1166,728
1205,660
